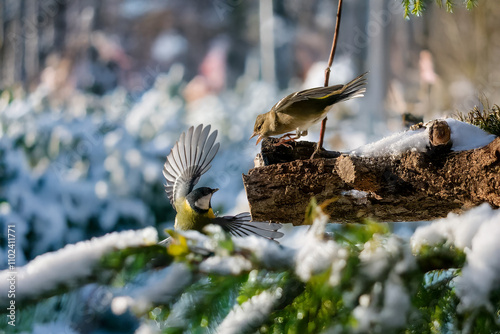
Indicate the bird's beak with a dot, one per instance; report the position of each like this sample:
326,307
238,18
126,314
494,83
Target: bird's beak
214,190
258,139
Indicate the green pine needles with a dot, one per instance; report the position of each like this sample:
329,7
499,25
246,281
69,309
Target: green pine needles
417,7
487,117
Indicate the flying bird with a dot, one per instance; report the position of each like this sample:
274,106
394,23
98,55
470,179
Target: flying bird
188,160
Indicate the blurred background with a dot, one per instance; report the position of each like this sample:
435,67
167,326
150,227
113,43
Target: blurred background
93,94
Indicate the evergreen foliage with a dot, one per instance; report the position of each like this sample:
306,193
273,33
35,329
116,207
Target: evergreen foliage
354,278
417,7
487,118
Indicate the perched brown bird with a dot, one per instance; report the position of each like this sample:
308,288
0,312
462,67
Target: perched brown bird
298,111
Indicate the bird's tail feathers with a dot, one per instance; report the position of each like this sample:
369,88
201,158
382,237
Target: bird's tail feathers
354,88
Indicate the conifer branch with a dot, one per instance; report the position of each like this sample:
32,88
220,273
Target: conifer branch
417,7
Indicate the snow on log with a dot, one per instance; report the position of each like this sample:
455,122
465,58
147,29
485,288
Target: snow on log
421,174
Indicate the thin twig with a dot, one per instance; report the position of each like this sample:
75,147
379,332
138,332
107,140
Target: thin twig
327,71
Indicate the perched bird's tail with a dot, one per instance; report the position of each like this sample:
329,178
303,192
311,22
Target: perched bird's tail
240,226
354,88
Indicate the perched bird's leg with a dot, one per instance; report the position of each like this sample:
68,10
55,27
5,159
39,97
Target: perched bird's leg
321,136
289,135
317,153
283,141
319,147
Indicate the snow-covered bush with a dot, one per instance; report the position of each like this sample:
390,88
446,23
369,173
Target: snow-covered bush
354,279
88,165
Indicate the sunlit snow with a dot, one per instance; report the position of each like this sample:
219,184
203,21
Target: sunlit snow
464,136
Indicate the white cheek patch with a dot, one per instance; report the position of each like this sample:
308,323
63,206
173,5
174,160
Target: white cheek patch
203,202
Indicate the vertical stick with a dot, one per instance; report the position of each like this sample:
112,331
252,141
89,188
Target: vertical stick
268,68
327,72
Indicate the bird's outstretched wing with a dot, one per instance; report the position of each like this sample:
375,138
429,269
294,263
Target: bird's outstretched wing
332,94
188,160
240,226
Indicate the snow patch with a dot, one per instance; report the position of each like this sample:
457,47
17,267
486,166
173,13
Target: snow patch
476,232
396,144
245,317
228,265
464,136
315,254
456,229
269,253
392,314
359,194
384,260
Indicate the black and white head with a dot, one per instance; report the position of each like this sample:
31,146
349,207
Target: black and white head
199,199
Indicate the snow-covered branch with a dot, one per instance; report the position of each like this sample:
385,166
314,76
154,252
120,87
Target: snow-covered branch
69,267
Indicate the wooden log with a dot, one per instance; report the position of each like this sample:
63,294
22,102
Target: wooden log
271,154
411,187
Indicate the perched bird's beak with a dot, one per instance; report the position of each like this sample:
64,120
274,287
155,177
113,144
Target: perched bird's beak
214,190
258,139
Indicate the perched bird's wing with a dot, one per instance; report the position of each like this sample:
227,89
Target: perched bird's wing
240,226
318,92
321,95
188,160
352,89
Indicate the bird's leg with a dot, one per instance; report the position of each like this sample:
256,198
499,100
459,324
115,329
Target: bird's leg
289,135
319,147
283,141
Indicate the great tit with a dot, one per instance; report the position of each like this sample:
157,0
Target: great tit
188,160
299,110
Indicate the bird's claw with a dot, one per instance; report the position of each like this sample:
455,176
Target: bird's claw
321,153
282,141
290,136
318,152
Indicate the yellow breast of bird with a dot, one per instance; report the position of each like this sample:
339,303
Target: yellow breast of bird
189,219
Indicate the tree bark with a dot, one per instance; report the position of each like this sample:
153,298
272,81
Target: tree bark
411,187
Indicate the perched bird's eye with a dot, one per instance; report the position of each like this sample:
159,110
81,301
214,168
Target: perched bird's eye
261,125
